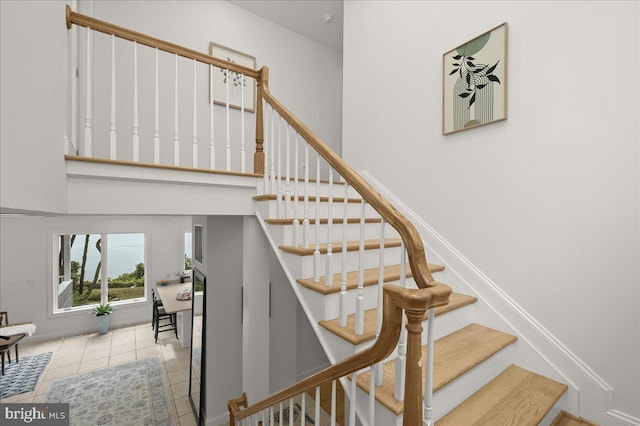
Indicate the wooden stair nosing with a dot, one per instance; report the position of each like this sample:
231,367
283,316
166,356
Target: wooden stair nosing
455,354
567,419
337,247
312,198
324,221
456,300
516,396
391,273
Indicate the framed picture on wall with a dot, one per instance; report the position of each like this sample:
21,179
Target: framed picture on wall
241,89
474,89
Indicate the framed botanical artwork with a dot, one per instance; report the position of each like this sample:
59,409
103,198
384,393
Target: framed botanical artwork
474,89
242,89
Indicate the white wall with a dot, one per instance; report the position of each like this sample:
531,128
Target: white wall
26,266
545,203
33,82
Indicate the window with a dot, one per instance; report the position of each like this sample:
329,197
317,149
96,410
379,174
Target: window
99,268
188,258
197,236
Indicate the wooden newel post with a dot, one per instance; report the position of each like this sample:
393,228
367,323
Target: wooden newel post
234,406
258,157
413,384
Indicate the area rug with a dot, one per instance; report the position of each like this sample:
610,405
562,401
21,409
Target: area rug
136,393
22,376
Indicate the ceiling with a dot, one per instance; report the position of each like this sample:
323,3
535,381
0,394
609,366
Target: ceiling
306,17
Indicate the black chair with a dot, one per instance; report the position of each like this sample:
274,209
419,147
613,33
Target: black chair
7,341
159,314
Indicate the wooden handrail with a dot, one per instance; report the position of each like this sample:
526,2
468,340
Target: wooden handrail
124,33
408,232
415,302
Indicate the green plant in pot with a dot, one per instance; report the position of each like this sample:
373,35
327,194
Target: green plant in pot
102,313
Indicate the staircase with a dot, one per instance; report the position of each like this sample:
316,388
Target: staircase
467,355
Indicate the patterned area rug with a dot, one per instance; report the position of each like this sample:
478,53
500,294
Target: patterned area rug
22,377
136,393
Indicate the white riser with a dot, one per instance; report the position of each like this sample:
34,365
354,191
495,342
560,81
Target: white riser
283,234
370,259
338,190
269,210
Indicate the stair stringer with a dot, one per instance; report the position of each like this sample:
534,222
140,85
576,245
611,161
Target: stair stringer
537,348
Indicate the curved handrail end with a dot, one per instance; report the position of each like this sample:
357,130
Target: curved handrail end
68,16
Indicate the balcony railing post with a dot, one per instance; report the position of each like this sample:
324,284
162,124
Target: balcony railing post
258,156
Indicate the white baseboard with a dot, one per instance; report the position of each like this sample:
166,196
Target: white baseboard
615,417
595,394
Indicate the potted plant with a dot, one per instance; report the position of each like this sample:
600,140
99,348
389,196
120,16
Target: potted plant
102,313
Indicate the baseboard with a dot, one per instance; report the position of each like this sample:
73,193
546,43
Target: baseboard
615,417
219,420
595,394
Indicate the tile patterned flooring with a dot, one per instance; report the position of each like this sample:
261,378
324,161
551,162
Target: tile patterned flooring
92,352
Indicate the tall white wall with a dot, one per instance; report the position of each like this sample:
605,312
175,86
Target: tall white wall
33,83
545,203
26,266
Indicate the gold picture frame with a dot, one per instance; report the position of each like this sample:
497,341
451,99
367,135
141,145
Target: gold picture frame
474,89
235,89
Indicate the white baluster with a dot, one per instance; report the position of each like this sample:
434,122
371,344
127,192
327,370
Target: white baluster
333,403
401,359
271,422
316,252
265,147
176,135
228,148
88,111
212,142
243,160
360,297
329,268
156,127
287,191
343,277
279,198
136,136
317,410
372,393
303,408
281,419
194,144
352,401
296,203
274,188
379,370
305,220
428,377
112,123
290,412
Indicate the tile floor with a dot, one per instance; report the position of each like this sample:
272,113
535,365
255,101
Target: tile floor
80,354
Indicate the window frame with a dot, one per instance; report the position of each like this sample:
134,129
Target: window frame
54,246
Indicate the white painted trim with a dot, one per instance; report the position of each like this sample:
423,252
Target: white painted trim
595,393
621,418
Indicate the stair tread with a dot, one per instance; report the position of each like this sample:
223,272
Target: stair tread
456,300
312,198
515,396
323,221
337,246
391,273
454,355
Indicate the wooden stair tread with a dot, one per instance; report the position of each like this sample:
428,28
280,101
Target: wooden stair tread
323,221
348,333
567,419
515,397
391,273
312,198
337,247
454,355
